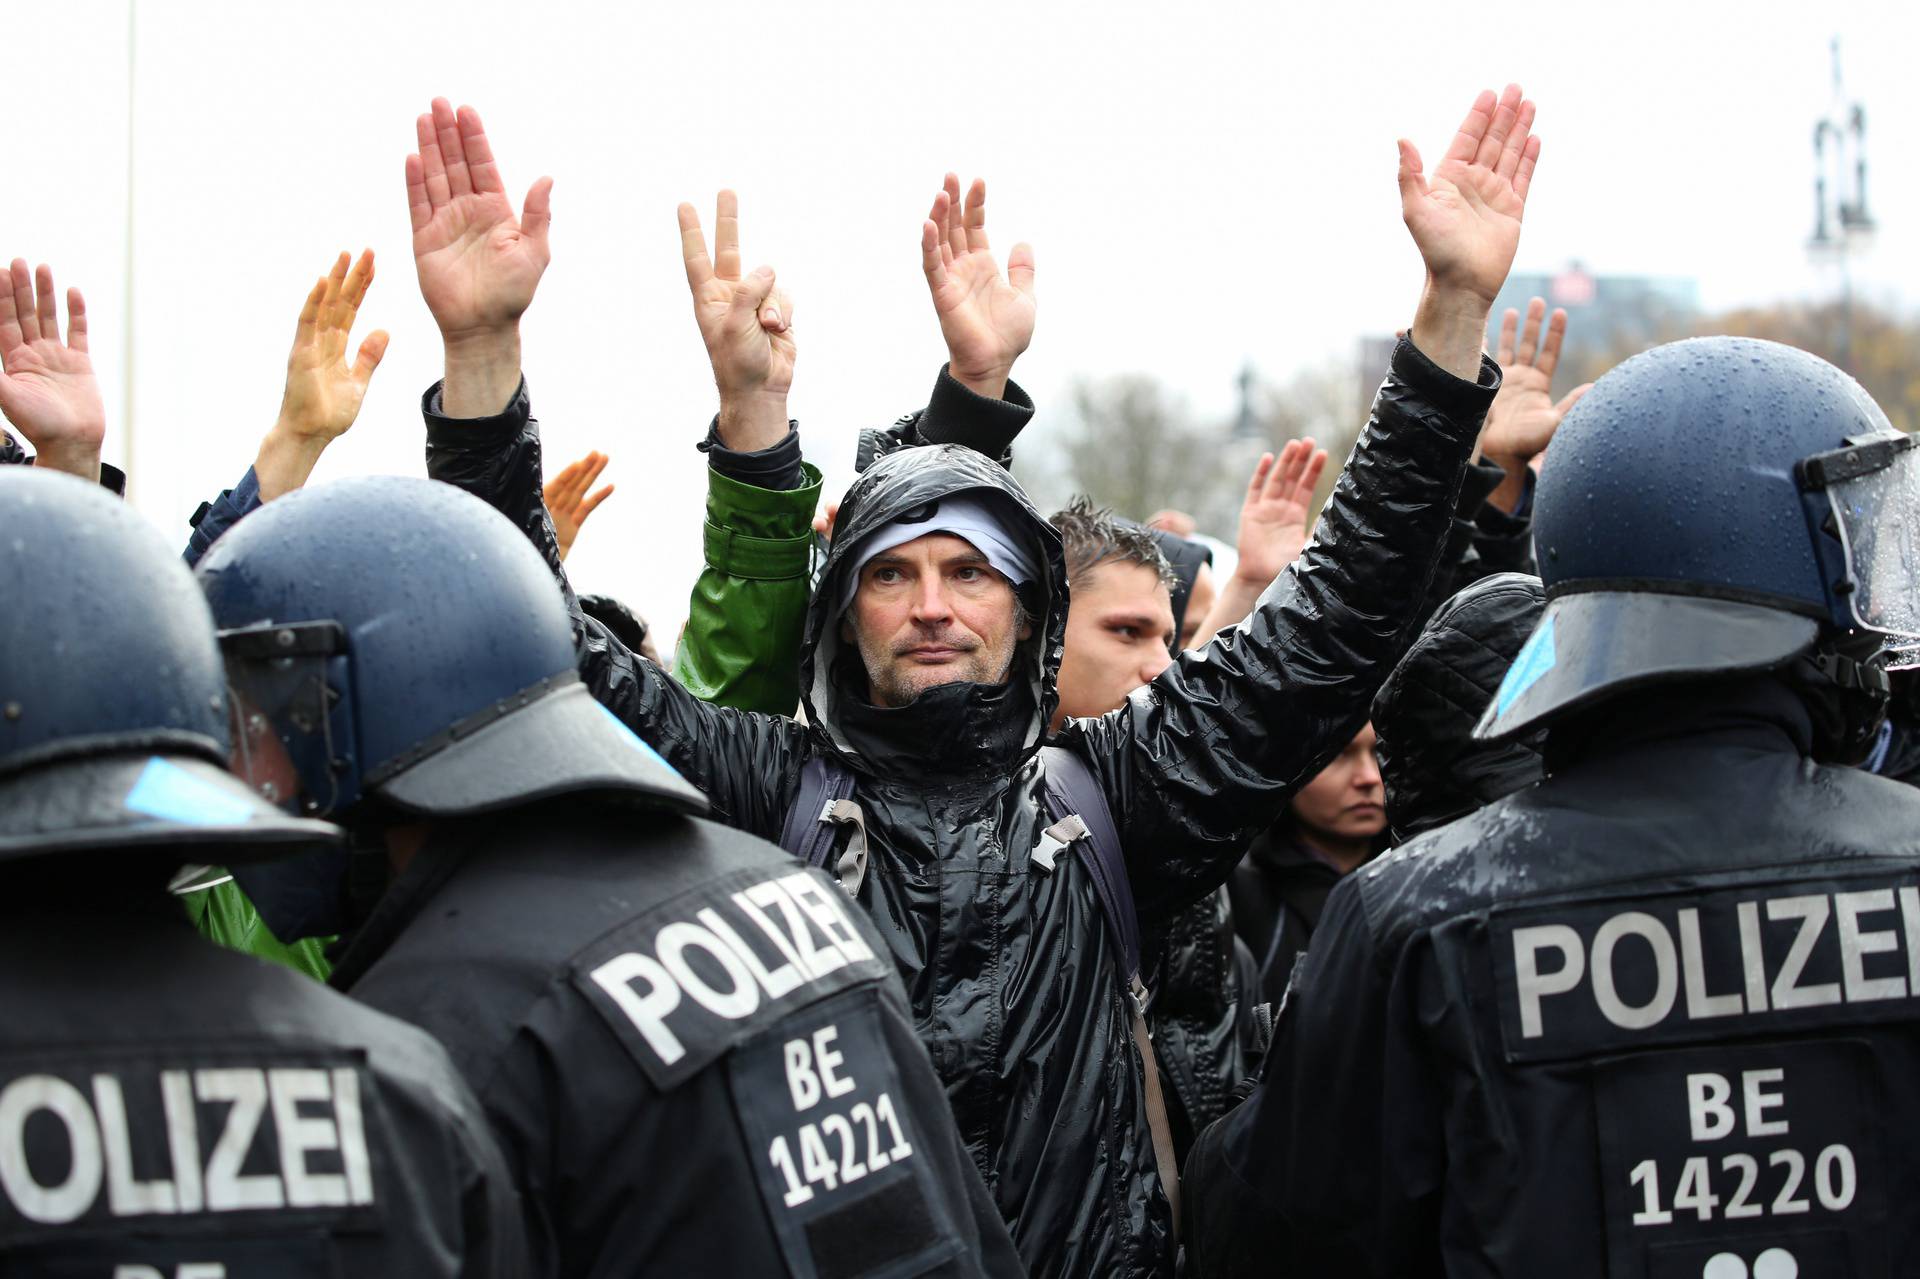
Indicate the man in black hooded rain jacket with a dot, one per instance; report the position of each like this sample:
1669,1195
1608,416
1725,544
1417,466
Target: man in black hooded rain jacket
1010,969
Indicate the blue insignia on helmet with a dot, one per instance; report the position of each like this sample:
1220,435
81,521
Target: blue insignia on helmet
172,794
1535,660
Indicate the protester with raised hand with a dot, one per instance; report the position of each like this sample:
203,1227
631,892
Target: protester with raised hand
568,500
1273,531
320,402
928,679
47,388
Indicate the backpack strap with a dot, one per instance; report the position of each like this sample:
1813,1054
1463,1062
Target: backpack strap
1080,815
1079,809
825,801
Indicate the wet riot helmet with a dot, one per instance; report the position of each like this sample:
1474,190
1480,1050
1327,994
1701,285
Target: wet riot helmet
113,703
1716,506
397,649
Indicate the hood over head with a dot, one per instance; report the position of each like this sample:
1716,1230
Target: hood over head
953,728
1433,768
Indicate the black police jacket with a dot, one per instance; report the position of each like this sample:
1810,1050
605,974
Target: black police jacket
1653,1016
166,1104
1010,969
695,1054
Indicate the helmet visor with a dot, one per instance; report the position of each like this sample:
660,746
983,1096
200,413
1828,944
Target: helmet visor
1874,490
287,738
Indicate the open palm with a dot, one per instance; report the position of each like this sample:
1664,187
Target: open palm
1465,218
986,317
47,387
479,265
1524,415
1273,519
323,392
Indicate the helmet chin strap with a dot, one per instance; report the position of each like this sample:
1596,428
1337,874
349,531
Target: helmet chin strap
1848,699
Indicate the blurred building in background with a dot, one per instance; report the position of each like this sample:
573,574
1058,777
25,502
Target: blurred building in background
1605,313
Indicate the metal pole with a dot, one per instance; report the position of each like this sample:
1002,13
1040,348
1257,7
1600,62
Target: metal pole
128,463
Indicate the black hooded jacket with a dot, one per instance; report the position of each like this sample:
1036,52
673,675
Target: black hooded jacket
1009,969
1655,1009
1432,768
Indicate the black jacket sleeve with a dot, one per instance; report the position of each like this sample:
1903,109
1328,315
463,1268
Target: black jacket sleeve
1205,757
1332,1165
747,764
954,415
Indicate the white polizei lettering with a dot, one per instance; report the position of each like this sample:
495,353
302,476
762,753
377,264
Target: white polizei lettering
1910,925
136,1272
671,945
1759,1101
1856,945
1534,985
1709,1117
183,1139
649,1012
1812,911
1753,964
127,1196
775,982
301,1135
351,1117
752,901
831,915
56,1204
819,959
1693,967
1666,970
227,1189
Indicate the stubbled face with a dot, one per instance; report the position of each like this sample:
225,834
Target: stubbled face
1199,604
929,612
1118,630
1346,800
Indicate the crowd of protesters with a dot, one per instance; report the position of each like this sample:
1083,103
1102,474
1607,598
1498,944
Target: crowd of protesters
969,872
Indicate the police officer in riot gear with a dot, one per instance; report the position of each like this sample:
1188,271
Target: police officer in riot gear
169,1108
1658,1015
693,1050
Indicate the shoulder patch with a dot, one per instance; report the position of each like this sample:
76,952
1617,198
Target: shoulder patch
686,982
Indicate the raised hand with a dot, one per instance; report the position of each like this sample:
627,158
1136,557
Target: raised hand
567,500
1466,219
1466,224
479,264
1273,519
47,388
986,318
1524,415
747,325
323,392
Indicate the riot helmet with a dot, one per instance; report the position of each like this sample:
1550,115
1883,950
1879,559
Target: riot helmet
1717,506
396,649
113,703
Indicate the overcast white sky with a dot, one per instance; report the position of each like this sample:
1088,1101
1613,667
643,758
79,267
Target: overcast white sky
1205,184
